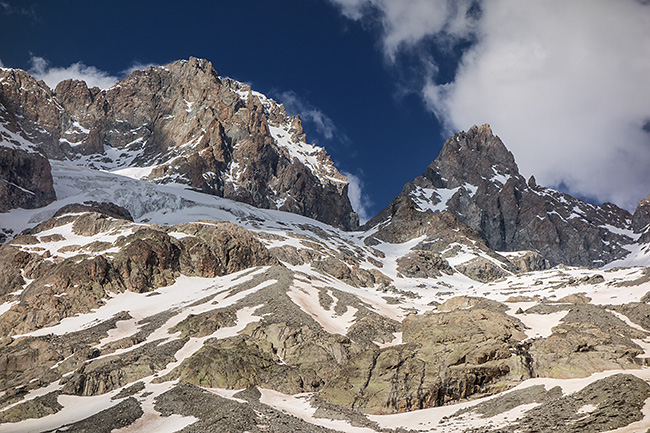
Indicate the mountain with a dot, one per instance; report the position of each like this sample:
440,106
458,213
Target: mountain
182,123
476,180
139,296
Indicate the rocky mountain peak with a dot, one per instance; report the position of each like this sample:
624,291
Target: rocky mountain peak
471,157
194,65
476,179
183,123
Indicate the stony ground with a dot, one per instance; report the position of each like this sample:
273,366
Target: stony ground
289,325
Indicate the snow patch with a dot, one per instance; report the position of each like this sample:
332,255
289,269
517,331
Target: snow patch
298,406
306,297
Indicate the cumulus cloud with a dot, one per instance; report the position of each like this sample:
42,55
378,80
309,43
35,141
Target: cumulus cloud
94,77
322,123
564,84
406,22
358,198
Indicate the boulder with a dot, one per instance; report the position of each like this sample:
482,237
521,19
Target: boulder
423,264
482,269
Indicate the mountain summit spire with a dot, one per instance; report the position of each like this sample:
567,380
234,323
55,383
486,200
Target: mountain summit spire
475,179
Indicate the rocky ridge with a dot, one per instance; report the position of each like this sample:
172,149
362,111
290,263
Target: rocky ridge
183,123
25,173
475,179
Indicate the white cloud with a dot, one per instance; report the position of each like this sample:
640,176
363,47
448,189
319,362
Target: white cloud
564,84
94,77
406,22
358,199
296,105
1,64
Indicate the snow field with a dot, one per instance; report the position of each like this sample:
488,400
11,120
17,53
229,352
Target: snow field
172,204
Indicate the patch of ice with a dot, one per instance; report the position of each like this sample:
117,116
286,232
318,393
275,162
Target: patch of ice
152,420
179,235
14,140
396,341
539,325
74,409
312,157
76,125
587,408
621,231
499,177
639,256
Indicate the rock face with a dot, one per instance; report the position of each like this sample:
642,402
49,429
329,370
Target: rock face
29,110
604,405
641,221
445,357
423,264
25,174
476,180
588,339
25,180
109,209
183,123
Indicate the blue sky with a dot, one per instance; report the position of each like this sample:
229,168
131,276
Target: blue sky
381,83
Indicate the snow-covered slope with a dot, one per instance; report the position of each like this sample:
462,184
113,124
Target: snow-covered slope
150,360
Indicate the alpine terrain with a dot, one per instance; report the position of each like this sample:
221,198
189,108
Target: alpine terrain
176,256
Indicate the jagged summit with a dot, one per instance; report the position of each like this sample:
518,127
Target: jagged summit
476,180
183,123
470,157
